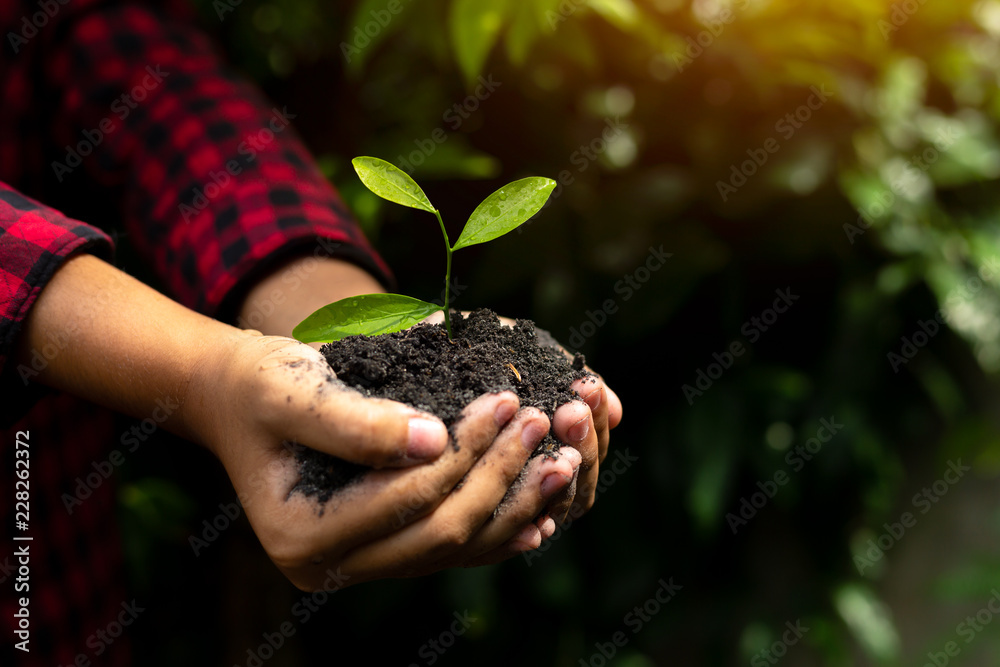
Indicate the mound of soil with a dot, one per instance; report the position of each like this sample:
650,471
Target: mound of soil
423,368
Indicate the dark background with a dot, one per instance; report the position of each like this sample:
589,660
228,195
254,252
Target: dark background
794,224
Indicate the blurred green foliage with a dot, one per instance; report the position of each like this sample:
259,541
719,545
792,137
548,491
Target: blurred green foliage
878,208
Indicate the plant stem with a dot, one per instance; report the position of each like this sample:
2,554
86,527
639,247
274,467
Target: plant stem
447,275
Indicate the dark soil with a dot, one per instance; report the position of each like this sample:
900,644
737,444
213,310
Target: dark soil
425,369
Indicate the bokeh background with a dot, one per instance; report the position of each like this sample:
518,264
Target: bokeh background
857,143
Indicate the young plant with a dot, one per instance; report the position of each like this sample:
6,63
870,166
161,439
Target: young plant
373,314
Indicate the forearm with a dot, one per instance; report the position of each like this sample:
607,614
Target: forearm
297,289
122,344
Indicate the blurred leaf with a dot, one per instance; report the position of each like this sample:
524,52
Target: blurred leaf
524,30
474,26
371,24
622,13
869,620
974,582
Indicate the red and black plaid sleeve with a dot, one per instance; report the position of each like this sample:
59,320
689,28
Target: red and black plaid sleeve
209,179
34,241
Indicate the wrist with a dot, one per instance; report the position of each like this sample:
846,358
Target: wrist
210,388
275,304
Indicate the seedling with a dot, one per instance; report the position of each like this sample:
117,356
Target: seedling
373,314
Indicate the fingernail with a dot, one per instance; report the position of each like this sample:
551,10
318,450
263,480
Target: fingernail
553,483
505,412
525,540
427,438
594,398
578,431
547,526
532,435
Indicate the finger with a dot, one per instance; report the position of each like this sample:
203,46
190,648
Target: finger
542,480
594,394
321,413
574,425
561,503
614,407
441,538
529,539
388,499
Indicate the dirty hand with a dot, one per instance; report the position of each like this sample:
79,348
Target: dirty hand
585,425
424,506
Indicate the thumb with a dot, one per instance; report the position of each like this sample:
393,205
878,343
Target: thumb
374,432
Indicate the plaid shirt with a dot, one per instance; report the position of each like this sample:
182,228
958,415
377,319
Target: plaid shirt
120,113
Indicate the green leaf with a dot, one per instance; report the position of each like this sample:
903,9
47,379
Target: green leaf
368,315
621,13
523,33
391,183
505,209
475,26
359,43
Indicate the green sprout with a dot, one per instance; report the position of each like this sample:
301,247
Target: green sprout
373,314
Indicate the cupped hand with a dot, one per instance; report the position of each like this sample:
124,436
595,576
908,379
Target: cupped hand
584,425
424,506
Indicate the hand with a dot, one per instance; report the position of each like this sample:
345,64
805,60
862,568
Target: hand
583,424
395,521
586,425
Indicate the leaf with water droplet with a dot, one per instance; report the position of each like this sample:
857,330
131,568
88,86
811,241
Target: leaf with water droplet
505,210
391,183
369,315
